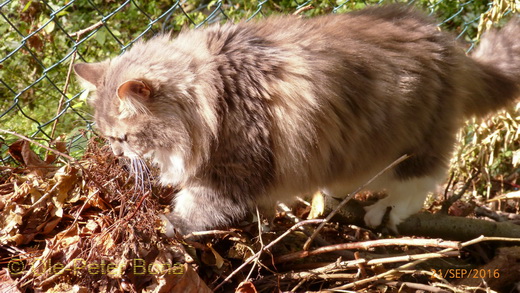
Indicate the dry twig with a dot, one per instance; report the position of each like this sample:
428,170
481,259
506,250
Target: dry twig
369,244
268,246
412,264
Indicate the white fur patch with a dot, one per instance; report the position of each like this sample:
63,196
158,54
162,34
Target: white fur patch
172,167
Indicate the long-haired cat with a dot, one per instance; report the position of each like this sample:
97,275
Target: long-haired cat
249,114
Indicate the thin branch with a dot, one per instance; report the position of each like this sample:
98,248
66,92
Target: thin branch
268,246
303,9
65,89
450,201
369,244
88,29
450,181
211,232
416,262
40,145
321,242
261,244
416,286
331,269
78,35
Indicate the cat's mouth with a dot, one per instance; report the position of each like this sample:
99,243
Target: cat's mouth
136,165
125,152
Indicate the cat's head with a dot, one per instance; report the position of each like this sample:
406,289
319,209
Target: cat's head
121,109
147,101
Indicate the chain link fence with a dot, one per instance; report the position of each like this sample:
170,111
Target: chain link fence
40,40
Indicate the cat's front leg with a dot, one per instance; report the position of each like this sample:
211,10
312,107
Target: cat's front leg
199,208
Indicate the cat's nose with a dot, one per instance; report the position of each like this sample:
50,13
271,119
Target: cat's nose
118,153
117,150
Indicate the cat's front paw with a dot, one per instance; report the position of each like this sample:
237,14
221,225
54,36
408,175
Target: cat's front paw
168,225
375,213
175,223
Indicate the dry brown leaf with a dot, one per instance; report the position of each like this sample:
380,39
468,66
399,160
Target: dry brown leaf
67,237
50,225
92,199
188,281
10,219
61,249
60,146
35,194
105,243
66,178
6,188
246,287
20,191
15,150
30,157
69,240
22,152
219,261
18,239
91,227
191,282
240,251
7,284
35,42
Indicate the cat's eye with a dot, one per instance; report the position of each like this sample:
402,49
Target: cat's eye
118,139
121,138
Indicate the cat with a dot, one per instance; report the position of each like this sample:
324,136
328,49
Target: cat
245,115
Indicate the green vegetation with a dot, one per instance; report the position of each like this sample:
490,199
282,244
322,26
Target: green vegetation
39,42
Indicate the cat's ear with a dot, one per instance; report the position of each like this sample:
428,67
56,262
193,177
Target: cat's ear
90,74
136,89
133,95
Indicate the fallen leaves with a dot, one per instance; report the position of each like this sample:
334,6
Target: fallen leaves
35,206
82,226
73,224
21,151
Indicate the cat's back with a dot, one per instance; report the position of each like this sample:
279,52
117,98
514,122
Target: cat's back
379,25
378,31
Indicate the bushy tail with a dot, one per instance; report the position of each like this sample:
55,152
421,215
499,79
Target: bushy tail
496,80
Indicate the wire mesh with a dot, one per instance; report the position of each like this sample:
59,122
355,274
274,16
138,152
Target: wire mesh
41,39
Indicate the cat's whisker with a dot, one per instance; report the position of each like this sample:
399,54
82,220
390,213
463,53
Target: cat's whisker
141,174
144,172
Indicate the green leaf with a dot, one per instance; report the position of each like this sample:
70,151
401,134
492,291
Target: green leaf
101,37
26,6
49,27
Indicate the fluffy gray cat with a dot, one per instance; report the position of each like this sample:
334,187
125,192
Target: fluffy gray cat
249,114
